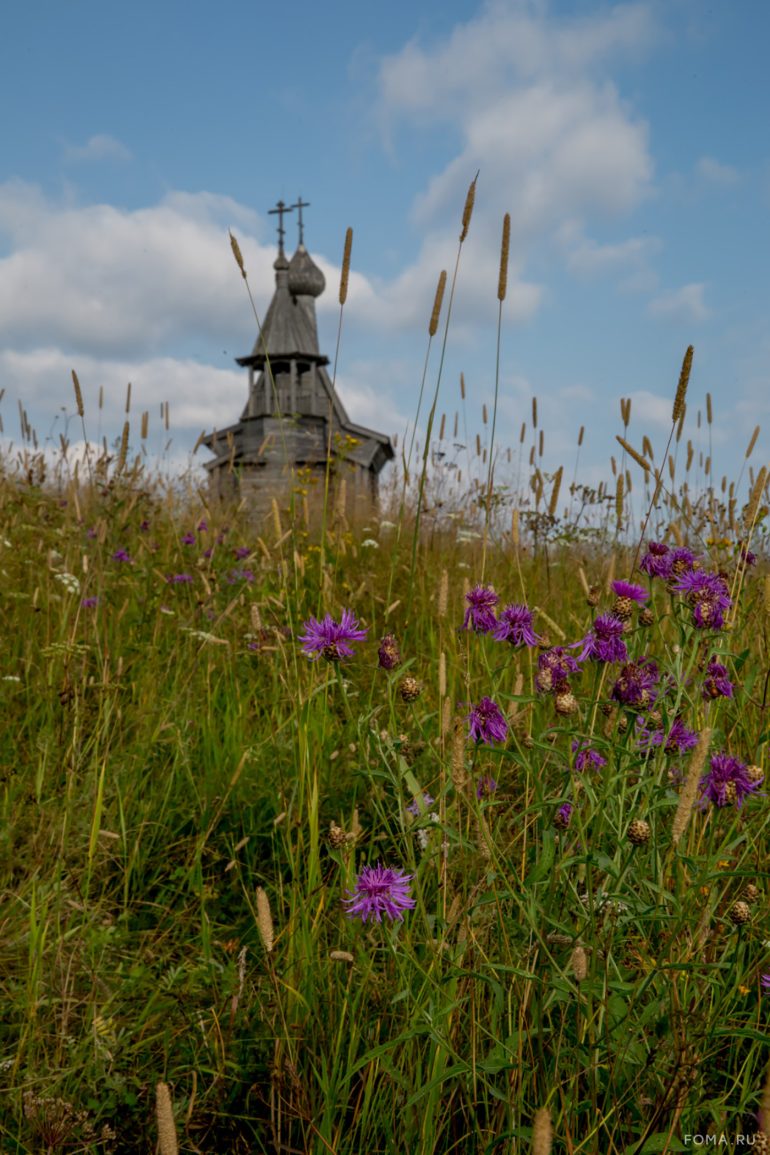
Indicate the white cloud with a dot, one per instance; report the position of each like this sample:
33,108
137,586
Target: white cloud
102,146
716,173
685,304
650,410
589,259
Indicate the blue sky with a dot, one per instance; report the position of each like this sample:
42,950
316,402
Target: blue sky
628,142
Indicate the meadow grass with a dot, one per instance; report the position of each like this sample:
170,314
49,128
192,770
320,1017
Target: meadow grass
189,797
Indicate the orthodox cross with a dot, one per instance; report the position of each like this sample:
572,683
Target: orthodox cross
279,210
299,206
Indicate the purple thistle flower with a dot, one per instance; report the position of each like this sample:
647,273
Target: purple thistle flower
241,552
487,722
636,686
515,626
480,615
379,890
235,575
413,807
656,562
208,552
716,683
586,758
485,787
629,590
681,561
202,525
89,603
747,557
727,782
708,595
678,739
179,578
563,816
329,638
764,982
188,539
605,642
554,667
91,533
121,555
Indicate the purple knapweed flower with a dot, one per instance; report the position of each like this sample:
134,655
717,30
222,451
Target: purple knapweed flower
563,816
716,683
329,638
485,787
208,552
728,782
189,539
241,552
121,555
89,603
144,526
515,626
605,642
586,758
636,686
487,722
480,614
681,561
91,533
388,654
656,562
708,595
379,890
202,525
180,578
628,590
554,667
413,807
244,575
678,739
764,982
747,557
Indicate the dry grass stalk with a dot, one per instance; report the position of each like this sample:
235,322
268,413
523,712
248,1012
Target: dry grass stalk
584,581
123,447
555,492
459,773
278,528
690,788
581,435
443,594
442,675
523,433
238,255
164,1113
541,443
446,716
502,281
681,389
671,467
128,398
437,303
756,496
619,499
534,412
462,386
442,428
515,529
265,920
709,413
345,267
542,1133
752,443
557,630
468,209
484,414
78,394
632,453
146,425
101,397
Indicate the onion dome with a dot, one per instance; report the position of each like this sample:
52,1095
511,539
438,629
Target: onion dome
305,278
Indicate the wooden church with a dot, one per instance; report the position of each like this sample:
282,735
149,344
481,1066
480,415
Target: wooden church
294,421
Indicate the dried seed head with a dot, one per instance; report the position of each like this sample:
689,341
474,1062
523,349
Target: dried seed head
78,394
566,703
264,920
752,443
164,1113
345,267
681,389
238,255
410,689
437,302
341,956
639,832
443,594
502,282
542,1134
755,773
579,963
468,209
751,893
740,913
633,454
337,836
